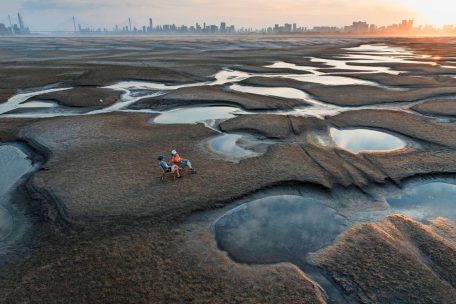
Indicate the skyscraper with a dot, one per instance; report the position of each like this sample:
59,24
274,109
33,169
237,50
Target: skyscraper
151,26
74,24
21,22
11,24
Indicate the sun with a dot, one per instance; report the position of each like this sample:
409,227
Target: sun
435,12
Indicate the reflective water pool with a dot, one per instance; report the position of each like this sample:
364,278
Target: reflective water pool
277,229
276,92
14,164
379,49
424,201
292,66
358,140
419,200
42,109
38,104
197,114
15,101
229,147
283,228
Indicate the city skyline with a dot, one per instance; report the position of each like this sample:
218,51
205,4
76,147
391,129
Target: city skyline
45,15
405,27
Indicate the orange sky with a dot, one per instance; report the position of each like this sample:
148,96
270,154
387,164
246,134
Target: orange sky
48,14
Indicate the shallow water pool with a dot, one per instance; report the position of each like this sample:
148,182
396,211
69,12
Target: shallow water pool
14,164
358,140
427,200
277,229
227,145
275,92
194,115
282,228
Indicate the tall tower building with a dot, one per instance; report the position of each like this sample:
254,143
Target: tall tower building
410,25
74,24
11,25
21,22
151,25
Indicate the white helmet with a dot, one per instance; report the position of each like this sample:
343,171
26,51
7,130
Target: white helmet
174,152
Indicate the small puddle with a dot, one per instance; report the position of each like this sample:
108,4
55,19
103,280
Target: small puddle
192,115
230,76
358,140
380,49
234,147
38,104
274,92
42,109
14,221
15,101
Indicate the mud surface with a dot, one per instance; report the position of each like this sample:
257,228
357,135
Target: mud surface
437,107
216,95
82,97
420,260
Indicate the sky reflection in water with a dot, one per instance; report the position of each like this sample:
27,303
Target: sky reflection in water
227,145
424,201
13,165
196,114
277,228
358,140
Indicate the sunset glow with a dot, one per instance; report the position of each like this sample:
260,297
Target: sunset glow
436,12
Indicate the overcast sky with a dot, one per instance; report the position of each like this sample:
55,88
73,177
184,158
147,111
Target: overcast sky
56,14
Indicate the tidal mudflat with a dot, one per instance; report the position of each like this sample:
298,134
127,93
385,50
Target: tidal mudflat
326,170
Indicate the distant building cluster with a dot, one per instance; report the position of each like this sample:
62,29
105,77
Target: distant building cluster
406,27
14,28
204,28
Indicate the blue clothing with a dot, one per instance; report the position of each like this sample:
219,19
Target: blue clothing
164,165
183,164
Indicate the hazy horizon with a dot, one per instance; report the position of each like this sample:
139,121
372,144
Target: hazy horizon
56,14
